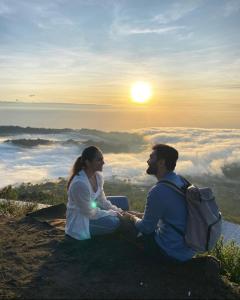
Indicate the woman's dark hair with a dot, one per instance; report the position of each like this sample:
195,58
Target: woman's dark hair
89,154
168,153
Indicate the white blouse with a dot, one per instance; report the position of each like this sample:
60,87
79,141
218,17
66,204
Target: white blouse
82,205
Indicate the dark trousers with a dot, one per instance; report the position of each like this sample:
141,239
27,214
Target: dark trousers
147,243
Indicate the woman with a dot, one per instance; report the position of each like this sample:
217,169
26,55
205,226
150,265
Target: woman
88,211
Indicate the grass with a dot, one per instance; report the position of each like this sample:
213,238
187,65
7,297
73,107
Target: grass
229,256
55,192
12,209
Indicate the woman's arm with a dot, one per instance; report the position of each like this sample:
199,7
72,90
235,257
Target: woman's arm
106,204
81,197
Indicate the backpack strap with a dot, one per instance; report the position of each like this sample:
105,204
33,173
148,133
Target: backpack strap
180,191
172,186
188,183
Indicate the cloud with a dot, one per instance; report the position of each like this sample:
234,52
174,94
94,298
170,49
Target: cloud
231,7
162,30
201,152
177,11
28,15
34,164
129,22
6,9
186,36
134,24
54,22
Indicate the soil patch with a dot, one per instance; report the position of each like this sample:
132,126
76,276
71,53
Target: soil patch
39,261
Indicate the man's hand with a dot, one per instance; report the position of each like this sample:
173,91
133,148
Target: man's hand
126,214
136,213
130,217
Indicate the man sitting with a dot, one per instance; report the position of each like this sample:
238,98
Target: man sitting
165,212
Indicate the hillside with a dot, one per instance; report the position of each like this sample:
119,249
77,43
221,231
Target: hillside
38,262
54,192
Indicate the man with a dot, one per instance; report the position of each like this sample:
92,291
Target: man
165,212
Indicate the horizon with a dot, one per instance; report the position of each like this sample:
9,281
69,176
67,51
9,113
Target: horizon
120,117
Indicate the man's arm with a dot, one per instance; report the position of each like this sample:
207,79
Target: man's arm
153,212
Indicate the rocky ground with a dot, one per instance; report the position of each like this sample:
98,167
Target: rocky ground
38,261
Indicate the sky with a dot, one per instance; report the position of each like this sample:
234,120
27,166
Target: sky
92,51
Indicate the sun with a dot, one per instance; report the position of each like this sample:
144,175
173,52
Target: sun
141,92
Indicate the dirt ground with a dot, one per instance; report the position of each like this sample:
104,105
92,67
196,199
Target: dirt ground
37,261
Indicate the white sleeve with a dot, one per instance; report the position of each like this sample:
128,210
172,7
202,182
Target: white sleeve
81,197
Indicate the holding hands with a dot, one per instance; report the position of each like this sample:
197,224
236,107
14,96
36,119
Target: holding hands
130,216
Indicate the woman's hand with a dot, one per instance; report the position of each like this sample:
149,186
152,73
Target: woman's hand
119,214
136,213
133,213
112,212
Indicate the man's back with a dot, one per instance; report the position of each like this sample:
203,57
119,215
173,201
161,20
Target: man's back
164,207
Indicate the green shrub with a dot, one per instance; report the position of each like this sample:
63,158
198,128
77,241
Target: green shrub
12,209
229,256
8,192
45,192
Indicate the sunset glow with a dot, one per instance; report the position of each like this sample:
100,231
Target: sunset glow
141,92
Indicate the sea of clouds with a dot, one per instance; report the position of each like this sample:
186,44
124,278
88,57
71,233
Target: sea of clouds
201,152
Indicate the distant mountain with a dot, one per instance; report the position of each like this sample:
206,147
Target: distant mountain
6,130
29,142
232,171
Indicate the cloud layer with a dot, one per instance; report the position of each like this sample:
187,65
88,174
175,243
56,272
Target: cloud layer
201,152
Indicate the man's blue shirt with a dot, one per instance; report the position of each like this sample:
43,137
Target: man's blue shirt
165,206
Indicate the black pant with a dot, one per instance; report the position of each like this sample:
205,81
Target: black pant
147,243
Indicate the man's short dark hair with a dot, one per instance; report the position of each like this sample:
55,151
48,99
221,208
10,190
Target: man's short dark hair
168,153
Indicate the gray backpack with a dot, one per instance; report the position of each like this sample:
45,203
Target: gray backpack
204,222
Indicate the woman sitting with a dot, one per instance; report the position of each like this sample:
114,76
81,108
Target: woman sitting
89,213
